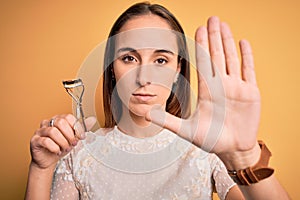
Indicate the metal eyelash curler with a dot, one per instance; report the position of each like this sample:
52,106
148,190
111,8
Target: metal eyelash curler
75,88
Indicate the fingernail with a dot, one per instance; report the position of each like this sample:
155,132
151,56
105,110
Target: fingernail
69,149
82,136
74,143
59,153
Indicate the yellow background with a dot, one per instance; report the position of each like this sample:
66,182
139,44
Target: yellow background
45,42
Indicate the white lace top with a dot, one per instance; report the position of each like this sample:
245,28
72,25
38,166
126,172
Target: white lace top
115,166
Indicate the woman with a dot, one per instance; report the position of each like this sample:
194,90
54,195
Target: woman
146,87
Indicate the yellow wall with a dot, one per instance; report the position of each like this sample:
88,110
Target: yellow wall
44,42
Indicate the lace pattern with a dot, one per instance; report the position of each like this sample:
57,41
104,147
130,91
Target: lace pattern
138,145
192,176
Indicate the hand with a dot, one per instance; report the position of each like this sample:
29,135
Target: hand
228,105
50,143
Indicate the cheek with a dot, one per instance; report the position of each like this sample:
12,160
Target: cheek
163,77
125,83
120,69
163,94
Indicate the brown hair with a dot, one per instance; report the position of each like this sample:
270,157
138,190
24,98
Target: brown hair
178,102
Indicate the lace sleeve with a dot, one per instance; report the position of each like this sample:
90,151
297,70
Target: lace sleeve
63,186
222,180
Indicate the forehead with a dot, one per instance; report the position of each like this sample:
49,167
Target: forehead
147,31
148,38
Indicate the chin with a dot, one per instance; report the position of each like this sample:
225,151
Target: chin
140,110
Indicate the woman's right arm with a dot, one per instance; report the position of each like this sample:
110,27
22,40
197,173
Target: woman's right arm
47,146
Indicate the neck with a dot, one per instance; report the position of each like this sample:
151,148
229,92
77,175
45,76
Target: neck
137,126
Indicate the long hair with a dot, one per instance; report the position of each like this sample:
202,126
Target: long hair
178,102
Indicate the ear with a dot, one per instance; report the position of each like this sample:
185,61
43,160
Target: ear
176,78
177,71
179,65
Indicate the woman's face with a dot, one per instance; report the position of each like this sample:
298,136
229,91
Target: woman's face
146,63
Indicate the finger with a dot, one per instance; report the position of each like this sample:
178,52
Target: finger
216,46
209,84
90,122
64,123
80,132
203,62
230,51
56,136
48,144
170,122
44,123
248,73
202,38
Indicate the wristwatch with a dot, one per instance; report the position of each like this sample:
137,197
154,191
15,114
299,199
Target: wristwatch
256,173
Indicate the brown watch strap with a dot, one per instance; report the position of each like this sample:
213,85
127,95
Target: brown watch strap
257,172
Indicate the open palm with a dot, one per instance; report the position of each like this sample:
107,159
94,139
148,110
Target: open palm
228,105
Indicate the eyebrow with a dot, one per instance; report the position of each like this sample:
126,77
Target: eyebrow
134,50
126,49
164,51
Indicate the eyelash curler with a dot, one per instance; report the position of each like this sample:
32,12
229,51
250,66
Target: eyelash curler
75,88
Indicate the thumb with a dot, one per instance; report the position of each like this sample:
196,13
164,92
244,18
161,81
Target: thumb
166,120
79,129
90,122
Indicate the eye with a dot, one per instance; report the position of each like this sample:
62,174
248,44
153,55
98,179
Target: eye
128,59
161,61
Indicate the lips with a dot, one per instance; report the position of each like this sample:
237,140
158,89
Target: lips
144,97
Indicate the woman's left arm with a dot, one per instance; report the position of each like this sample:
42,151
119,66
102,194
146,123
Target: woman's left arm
227,114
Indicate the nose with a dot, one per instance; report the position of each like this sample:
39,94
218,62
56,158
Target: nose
143,75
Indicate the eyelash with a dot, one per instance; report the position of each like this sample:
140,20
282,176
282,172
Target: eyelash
130,59
161,59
